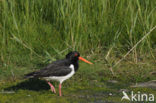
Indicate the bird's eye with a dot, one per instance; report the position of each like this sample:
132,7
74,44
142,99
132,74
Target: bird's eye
75,54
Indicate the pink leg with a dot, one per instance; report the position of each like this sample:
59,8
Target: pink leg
60,90
52,87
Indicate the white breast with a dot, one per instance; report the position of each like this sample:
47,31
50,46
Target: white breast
62,78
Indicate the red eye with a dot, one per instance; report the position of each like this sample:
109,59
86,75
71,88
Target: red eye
75,54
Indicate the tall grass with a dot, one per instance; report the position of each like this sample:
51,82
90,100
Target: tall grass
31,29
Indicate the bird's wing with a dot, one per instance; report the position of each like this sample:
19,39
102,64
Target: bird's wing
58,68
50,70
57,71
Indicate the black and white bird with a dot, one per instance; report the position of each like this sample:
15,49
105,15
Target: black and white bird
59,70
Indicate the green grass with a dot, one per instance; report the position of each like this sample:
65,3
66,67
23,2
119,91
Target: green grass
34,33
89,84
38,28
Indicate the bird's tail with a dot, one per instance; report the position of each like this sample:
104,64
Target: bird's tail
29,75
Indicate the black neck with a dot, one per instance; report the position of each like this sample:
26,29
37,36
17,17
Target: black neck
76,65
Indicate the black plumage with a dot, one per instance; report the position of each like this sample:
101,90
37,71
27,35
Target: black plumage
57,68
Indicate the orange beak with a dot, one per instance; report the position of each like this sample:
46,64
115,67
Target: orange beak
80,58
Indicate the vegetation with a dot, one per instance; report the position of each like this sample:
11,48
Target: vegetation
34,33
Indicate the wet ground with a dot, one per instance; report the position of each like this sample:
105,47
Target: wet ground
37,91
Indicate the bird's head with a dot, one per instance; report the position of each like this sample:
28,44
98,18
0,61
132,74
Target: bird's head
74,56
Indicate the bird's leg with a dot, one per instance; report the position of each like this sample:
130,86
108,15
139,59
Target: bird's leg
52,87
60,90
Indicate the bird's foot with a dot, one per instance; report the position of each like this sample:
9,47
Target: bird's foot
60,89
52,87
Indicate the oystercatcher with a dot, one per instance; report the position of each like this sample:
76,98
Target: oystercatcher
59,70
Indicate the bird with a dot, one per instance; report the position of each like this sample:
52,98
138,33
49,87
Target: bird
59,70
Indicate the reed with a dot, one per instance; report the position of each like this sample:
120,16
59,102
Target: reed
31,29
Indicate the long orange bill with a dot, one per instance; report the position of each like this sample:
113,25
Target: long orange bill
80,58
